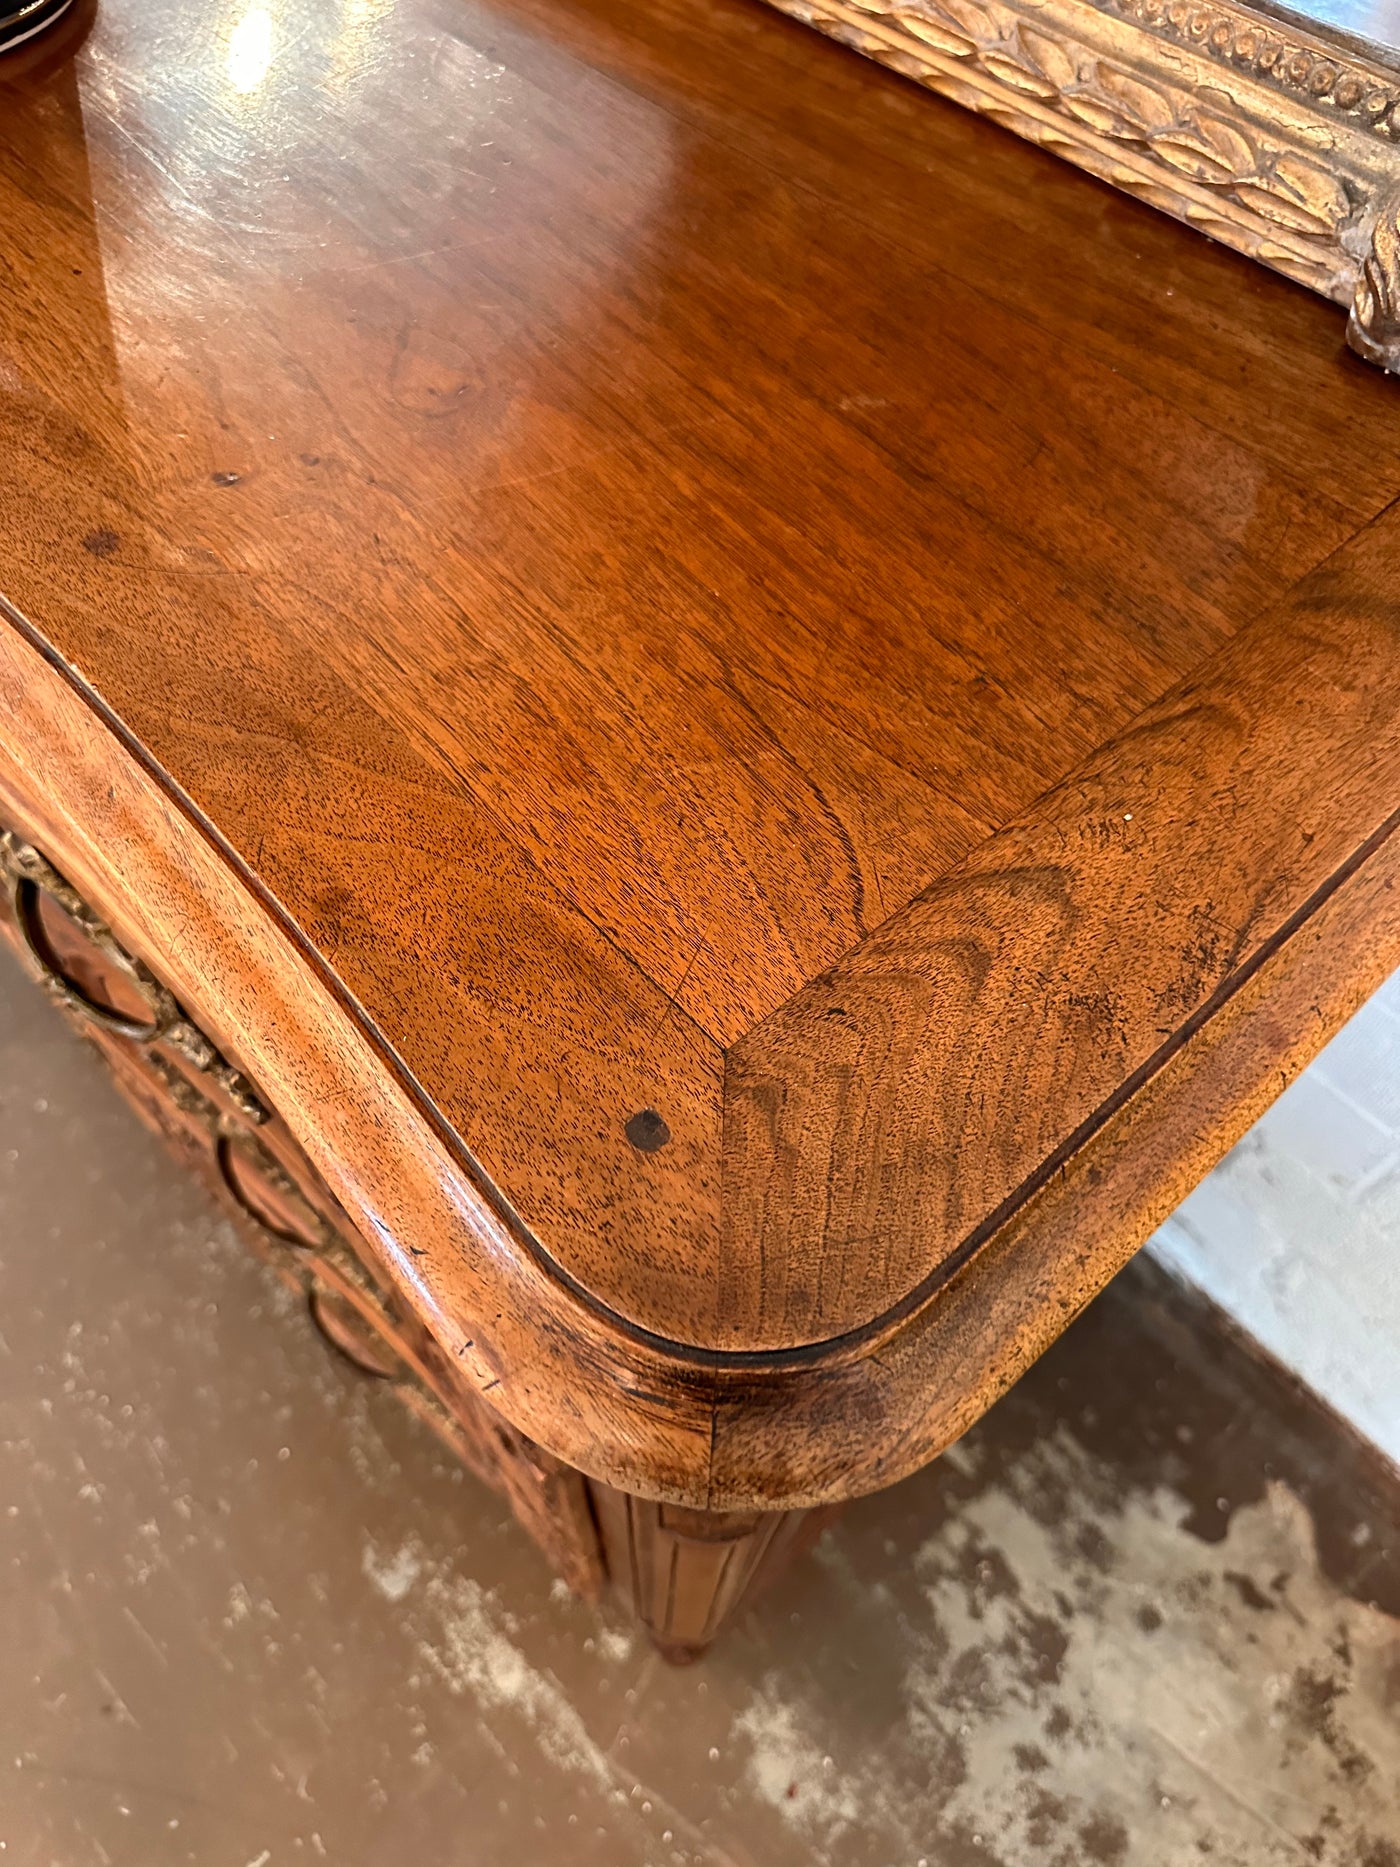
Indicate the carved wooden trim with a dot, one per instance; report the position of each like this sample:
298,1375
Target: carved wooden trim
546,1496
689,1572
1373,329
1263,136
1284,57
22,869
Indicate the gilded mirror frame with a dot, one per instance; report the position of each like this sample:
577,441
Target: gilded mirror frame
1267,135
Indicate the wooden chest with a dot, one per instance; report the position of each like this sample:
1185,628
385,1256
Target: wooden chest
698,775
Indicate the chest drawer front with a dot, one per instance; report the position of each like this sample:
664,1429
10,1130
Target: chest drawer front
183,1083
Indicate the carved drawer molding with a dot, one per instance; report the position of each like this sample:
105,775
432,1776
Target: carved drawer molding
179,1080
27,877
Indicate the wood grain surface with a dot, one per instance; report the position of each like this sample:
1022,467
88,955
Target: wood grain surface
889,1116
592,572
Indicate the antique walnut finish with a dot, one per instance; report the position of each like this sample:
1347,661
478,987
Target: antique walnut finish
728,725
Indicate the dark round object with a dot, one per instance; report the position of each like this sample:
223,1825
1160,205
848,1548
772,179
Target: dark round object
647,1131
31,17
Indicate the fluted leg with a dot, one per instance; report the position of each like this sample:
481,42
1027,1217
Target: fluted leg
687,1572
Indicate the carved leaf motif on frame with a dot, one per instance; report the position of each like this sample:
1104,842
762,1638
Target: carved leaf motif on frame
1198,144
1255,135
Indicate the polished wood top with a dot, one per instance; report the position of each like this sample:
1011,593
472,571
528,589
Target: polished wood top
604,507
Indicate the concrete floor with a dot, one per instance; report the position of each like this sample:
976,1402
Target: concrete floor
251,1616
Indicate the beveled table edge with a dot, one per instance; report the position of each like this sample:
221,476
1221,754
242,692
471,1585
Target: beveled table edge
718,1429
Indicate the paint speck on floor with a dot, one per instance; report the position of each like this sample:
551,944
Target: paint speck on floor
472,1650
784,1766
615,1644
1078,1681
395,1574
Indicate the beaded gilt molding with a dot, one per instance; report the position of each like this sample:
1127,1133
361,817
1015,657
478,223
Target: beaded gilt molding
1258,133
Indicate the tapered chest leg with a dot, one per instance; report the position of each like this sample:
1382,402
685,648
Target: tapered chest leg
689,1572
